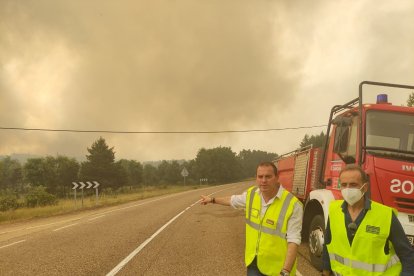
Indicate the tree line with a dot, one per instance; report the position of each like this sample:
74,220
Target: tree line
49,178
43,180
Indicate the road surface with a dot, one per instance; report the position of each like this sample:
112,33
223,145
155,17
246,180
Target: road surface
166,235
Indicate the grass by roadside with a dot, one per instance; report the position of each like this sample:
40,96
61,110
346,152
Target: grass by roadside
66,206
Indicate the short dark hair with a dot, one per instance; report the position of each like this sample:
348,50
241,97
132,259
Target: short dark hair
353,167
267,164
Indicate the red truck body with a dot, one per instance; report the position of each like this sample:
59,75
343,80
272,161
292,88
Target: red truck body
380,138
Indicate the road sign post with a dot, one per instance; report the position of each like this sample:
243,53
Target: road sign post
75,185
82,185
184,173
96,185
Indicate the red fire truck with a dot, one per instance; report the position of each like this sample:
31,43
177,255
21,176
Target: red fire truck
380,138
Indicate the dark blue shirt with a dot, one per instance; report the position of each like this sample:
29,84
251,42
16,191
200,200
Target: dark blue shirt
397,236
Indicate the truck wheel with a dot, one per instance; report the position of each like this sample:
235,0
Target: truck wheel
316,241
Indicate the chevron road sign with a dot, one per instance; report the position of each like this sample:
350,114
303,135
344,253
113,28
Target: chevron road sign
88,184
96,184
81,185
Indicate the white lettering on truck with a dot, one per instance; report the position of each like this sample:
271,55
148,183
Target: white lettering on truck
406,186
408,168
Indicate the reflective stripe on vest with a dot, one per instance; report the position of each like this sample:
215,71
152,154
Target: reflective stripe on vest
252,191
365,266
279,224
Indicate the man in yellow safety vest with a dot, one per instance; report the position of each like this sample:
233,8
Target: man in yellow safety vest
362,236
273,223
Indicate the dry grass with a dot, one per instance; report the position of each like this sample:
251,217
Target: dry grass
65,206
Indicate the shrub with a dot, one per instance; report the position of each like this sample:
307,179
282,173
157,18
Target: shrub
39,197
124,190
108,192
8,202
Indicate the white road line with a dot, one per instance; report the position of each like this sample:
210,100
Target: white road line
65,226
48,224
95,218
139,248
12,244
147,241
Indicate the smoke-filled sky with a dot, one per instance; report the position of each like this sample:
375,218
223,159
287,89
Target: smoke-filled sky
190,65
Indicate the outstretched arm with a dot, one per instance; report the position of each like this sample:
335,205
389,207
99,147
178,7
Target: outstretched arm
225,200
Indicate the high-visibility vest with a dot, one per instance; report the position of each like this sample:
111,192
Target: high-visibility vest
266,236
366,255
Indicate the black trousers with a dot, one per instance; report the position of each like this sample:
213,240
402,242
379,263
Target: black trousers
253,270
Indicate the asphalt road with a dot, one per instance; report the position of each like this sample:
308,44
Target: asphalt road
167,235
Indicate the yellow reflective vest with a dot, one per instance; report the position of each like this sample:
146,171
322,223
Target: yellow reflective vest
366,255
266,236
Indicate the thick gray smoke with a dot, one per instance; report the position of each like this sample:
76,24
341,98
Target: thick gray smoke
188,65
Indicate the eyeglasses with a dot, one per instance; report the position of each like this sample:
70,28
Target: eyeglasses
352,227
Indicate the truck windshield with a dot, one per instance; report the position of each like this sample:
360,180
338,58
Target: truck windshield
390,134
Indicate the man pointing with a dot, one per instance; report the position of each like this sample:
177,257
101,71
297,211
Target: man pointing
273,223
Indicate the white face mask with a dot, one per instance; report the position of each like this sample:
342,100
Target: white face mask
352,195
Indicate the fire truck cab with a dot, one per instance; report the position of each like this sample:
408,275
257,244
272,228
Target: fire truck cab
380,138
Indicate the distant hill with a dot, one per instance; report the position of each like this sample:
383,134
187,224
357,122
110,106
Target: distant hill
157,163
21,157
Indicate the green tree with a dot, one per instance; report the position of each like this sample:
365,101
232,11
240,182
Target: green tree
315,140
410,101
134,171
173,173
218,165
54,173
50,174
34,171
100,166
67,171
11,174
162,170
150,174
169,172
250,159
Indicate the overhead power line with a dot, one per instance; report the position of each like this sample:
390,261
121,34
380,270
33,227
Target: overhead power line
156,132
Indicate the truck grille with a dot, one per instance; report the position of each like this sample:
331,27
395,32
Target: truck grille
406,203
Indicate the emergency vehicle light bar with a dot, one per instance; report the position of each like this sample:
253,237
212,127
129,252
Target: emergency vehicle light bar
382,98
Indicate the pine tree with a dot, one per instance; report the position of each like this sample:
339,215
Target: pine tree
410,101
315,140
100,166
